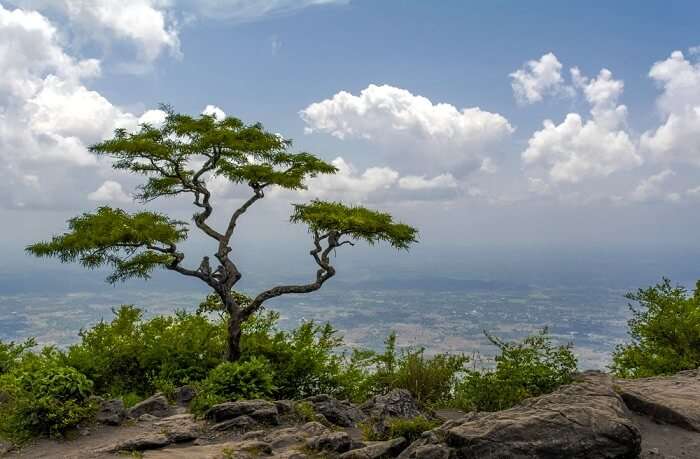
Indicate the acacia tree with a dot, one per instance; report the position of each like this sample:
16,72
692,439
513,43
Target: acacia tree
177,158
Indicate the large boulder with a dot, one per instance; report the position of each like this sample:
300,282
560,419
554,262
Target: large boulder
339,412
331,442
376,450
173,429
184,395
157,405
586,419
381,409
667,399
111,412
261,411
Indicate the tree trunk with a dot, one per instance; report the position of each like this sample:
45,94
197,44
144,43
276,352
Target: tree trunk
233,350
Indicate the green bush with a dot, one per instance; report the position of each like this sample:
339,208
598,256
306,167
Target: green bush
41,396
11,353
524,369
431,380
130,354
250,379
665,332
411,429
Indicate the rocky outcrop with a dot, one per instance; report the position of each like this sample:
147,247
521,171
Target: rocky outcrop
111,412
339,412
381,409
331,442
586,419
184,395
260,411
166,431
668,399
157,405
376,450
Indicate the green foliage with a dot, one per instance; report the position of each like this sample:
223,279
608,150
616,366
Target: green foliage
305,411
110,237
41,396
12,353
243,153
357,222
250,379
130,354
524,369
410,429
665,332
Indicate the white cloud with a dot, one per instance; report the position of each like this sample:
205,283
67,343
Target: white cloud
693,192
349,184
110,191
422,135
246,10
678,137
652,188
145,23
47,114
538,78
414,182
576,149
216,112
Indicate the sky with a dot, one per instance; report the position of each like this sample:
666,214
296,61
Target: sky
511,125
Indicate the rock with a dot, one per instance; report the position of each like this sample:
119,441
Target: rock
381,409
284,406
256,434
246,449
335,442
586,419
667,399
241,422
260,410
147,418
157,405
376,450
185,394
340,413
111,412
173,429
314,428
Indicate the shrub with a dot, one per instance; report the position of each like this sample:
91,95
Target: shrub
411,429
130,354
523,369
249,379
665,332
11,353
431,380
43,397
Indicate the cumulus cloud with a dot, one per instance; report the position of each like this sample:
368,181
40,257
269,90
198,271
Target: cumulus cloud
414,182
146,24
421,134
576,149
678,137
47,114
539,78
652,188
110,191
216,112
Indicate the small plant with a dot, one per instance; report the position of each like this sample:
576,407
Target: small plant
305,411
411,429
235,381
523,369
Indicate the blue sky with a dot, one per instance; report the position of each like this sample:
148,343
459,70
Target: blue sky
618,165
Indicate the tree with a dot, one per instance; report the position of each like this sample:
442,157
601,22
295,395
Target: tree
665,332
176,159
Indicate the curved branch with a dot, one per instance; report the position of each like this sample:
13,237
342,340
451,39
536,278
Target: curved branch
325,272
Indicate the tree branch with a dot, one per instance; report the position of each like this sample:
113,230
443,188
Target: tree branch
325,272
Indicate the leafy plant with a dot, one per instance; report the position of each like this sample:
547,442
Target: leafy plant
11,353
665,332
529,368
250,379
43,397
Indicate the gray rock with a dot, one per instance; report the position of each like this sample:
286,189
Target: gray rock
284,406
157,405
147,418
397,404
586,419
335,442
260,410
174,429
426,452
185,394
241,422
376,450
339,412
111,412
666,399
